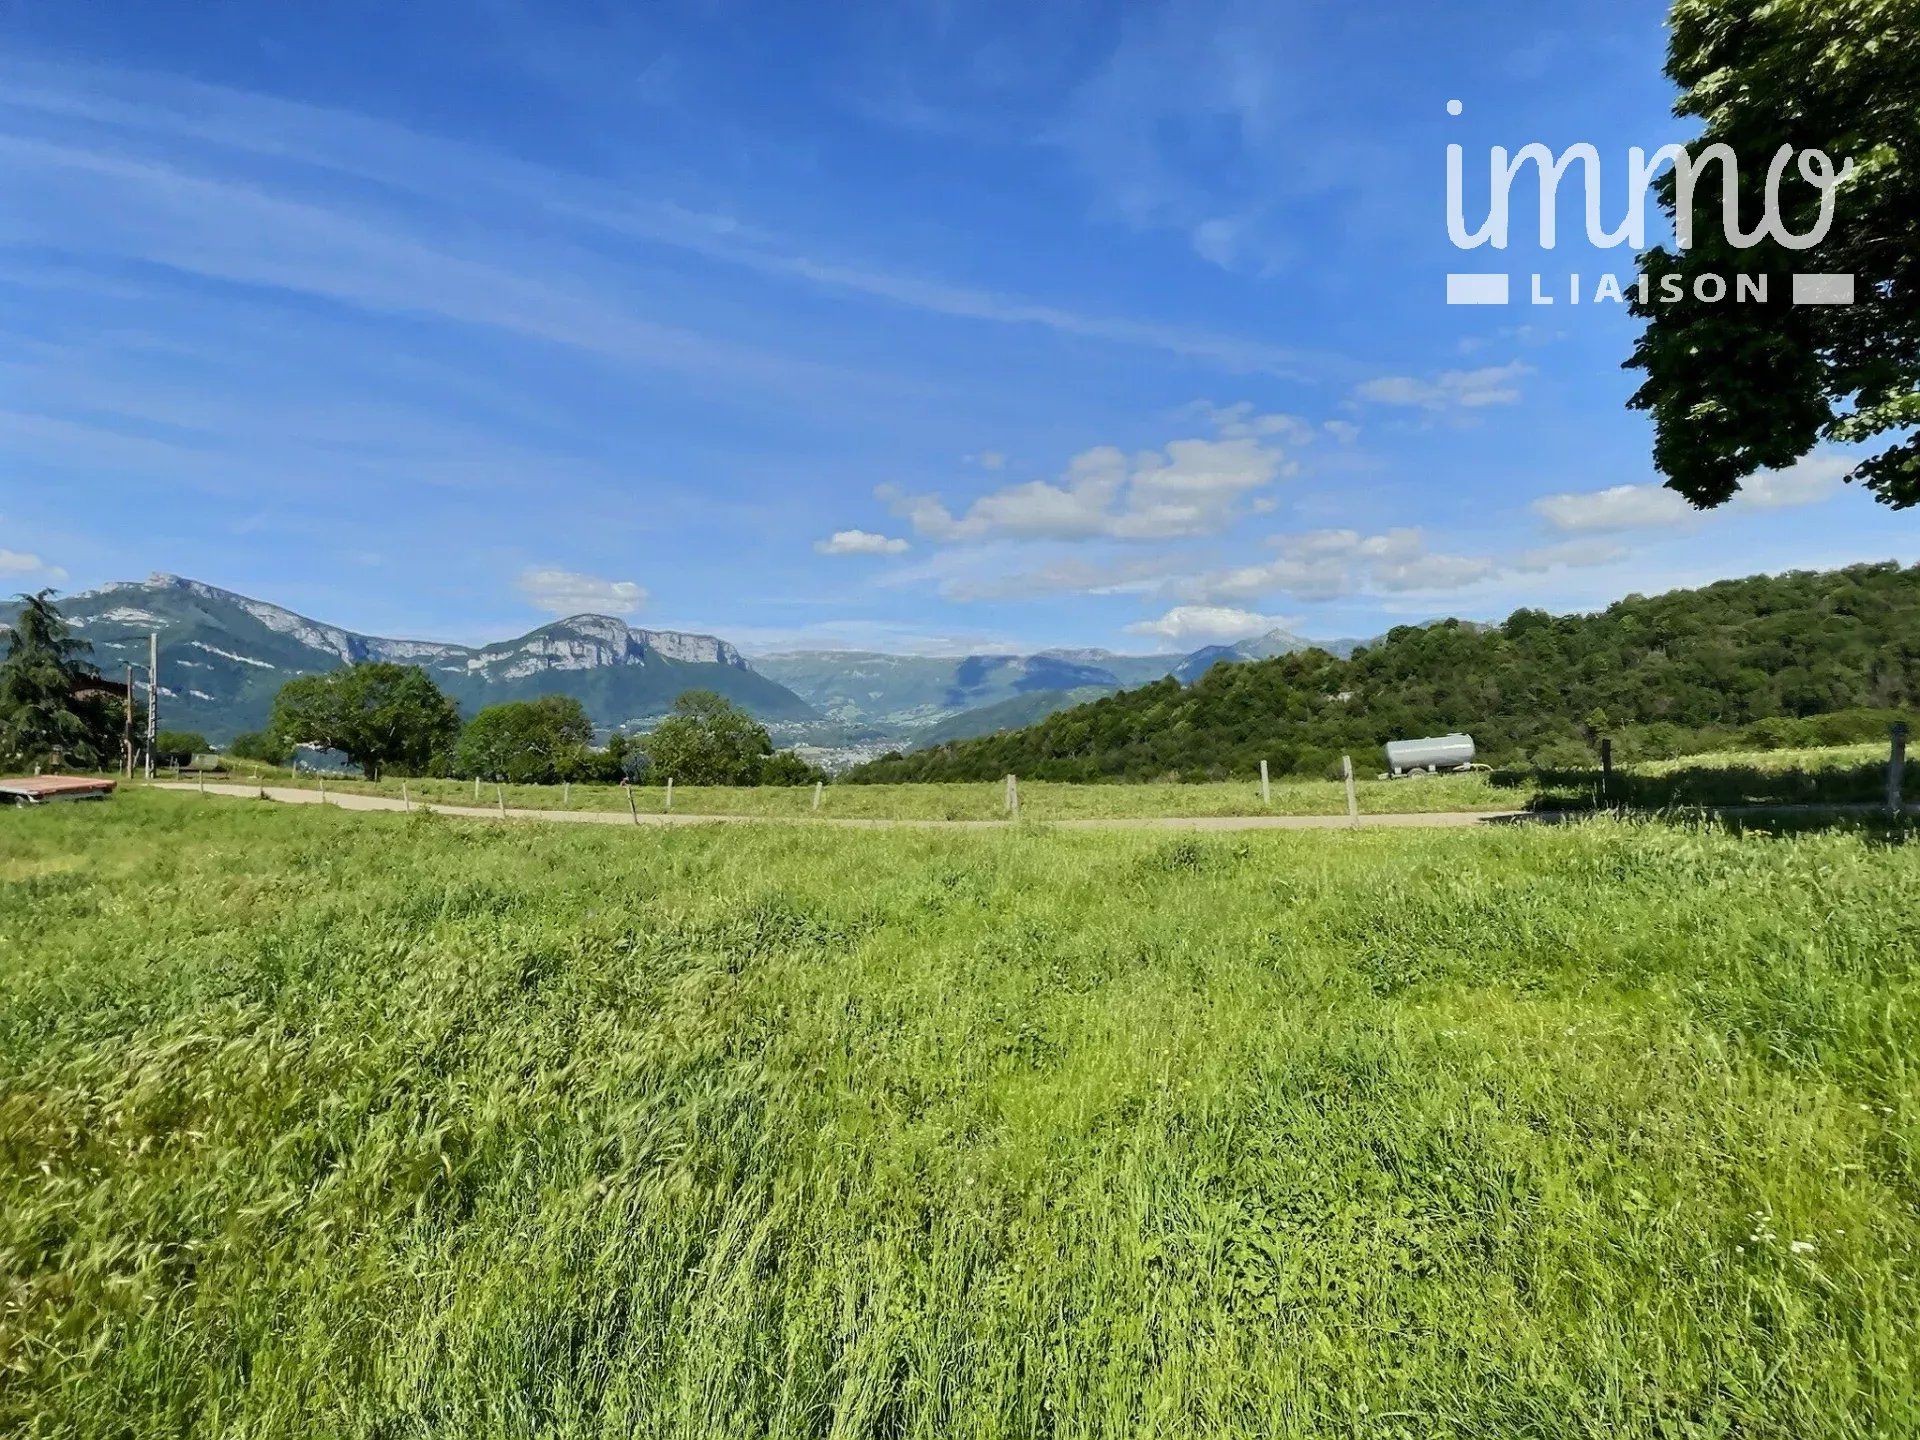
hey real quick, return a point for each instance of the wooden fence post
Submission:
(476, 789)
(1013, 797)
(1896, 765)
(566, 793)
(1353, 798)
(323, 787)
(1266, 794)
(669, 792)
(632, 809)
(406, 800)
(500, 796)
(817, 787)
(1606, 769)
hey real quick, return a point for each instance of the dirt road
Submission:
(1447, 820)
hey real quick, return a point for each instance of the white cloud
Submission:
(1243, 420)
(1191, 487)
(1208, 624)
(1323, 564)
(1809, 481)
(859, 542)
(564, 592)
(1450, 390)
(988, 460)
(973, 574)
(1619, 507)
(1570, 554)
(16, 562)
(1805, 482)
(1431, 572)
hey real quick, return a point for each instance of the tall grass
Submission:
(357, 1125)
(1836, 775)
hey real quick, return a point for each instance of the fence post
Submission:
(476, 789)
(817, 786)
(1606, 769)
(1353, 798)
(1266, 794)
(323, 787)
(1896, 765)
(1013, 797)
(203, 782)
(500, 796)
(406, 800)
(632, 809)
(669, 792)
(566, 793)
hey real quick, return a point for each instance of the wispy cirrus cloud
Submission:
(171, 129)
(1450, 391)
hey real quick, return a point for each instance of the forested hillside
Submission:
(1664, 674)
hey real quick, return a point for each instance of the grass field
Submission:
(1039, 799)
(328, 1124)
(1839, 774)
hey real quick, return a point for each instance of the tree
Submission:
(176, 747)
(380, 715)
(709, 741)
(260, 745)
(527, 742)
(783, 767)
(41, 719)
(1736, 388)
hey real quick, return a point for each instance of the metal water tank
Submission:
(1439, 752)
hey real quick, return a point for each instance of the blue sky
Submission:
(910, 326)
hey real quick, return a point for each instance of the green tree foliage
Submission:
(41, 716)
(260, 745)
(527, 742)
(1834, 653)
(380, 715)
(783, 767)
(1737, 388)
(710, 741)
(177, 747)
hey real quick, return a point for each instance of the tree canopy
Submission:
(527, 742)
(380, 715)
(708, 740)
(260, 745)
(1664, 675)
(176, 747)
(1736, 388)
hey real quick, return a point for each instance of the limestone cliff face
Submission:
(225, 655)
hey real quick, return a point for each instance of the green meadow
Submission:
(316, 1123)
(1848, 774)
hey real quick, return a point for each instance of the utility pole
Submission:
(153, 696)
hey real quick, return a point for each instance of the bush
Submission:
(177, 747)
(259, 745)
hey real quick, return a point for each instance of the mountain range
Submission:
(224, 656)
